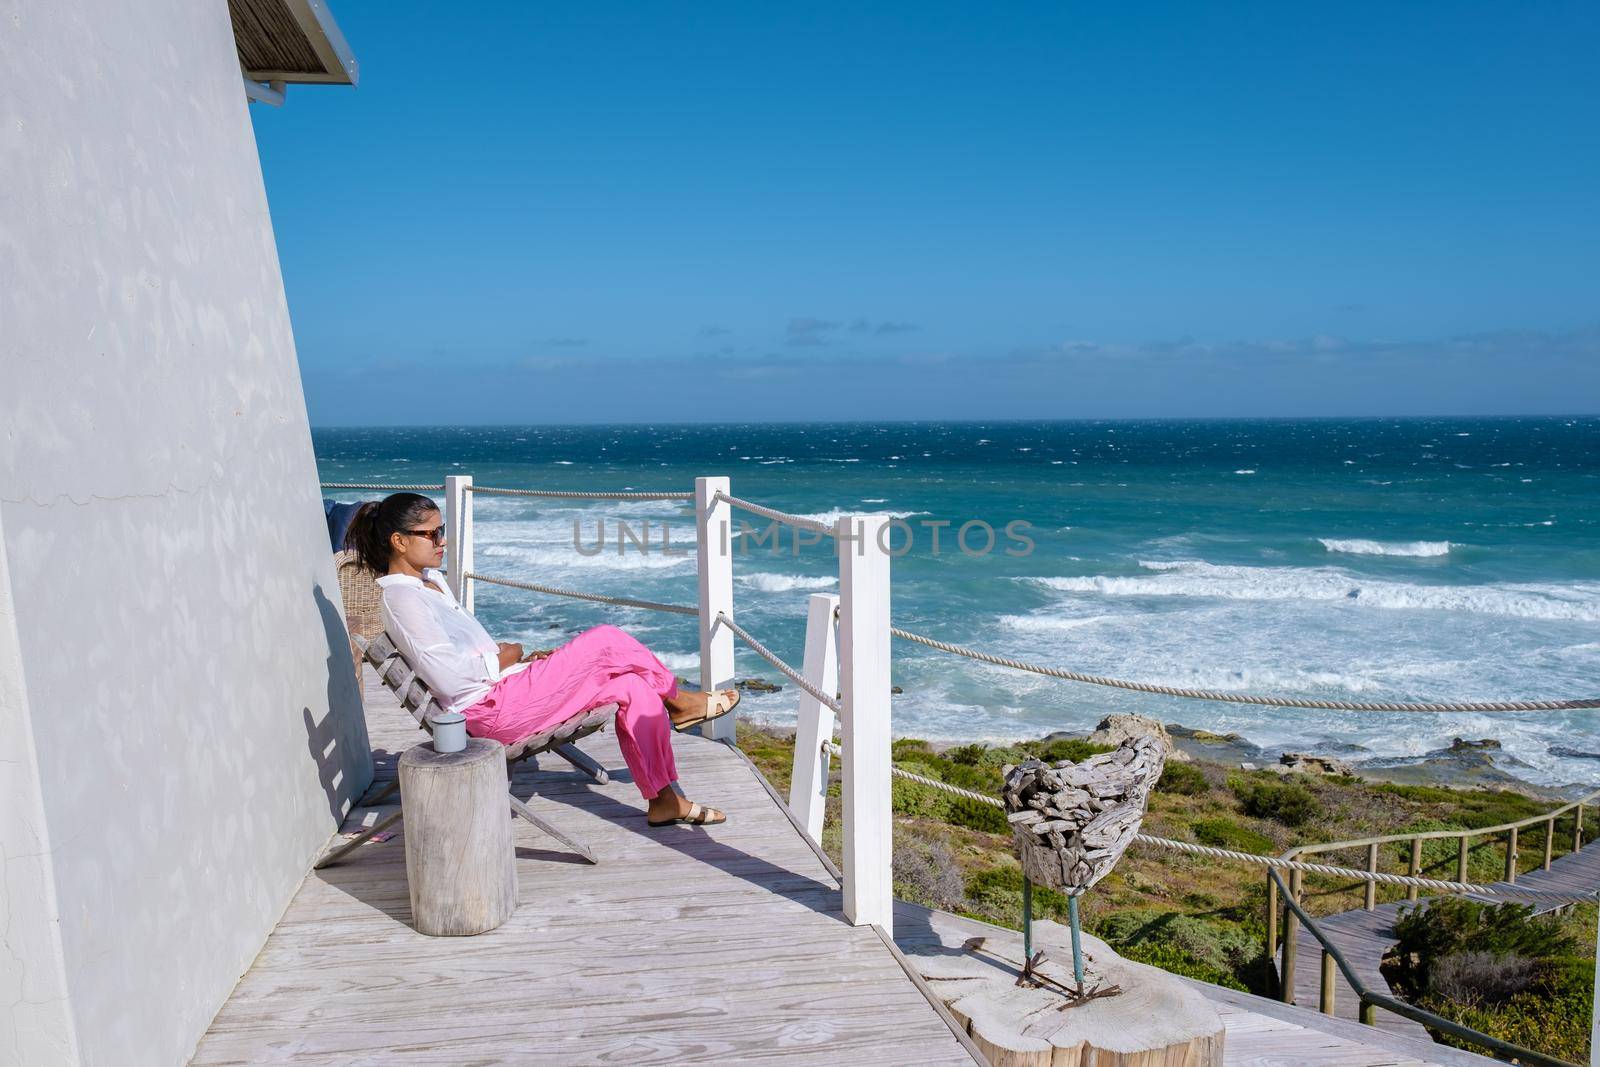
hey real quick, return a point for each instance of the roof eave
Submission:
(316, 21)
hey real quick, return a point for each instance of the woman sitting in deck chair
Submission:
(506, 697)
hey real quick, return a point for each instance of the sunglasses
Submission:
(436, 535)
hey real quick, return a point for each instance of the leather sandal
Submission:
(699, 815)
(717, 705)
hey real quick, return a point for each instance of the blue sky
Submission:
(673, 212)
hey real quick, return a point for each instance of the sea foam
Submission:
(1574, 602)
(783, 583)
(1361, 547)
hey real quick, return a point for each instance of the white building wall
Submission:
(35, 1016)
(172, 640)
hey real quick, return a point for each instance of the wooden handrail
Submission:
(1431, 835)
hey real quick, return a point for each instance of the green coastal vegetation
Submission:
(1206, 918)
(1501, 970)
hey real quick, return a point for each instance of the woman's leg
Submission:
(621, 652)
(607, 651)
(644, 732)
(602, 665)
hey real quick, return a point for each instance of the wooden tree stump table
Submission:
(460, 864)
(1154, 1021)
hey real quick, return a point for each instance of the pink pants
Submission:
(599, 666)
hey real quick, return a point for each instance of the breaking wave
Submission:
(1048, 623)
(1361, 547)
(1577, 602)
(828, 518)
(783, 583)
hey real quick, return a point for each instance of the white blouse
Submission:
(452, 652)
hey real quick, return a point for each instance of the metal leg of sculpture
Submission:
(1077, 947)
(1027, 923)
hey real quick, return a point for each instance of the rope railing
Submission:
(793, 675)
(386, 488)
(776, 515)
(1240, 698)
(576, 495)
(1276, 862)
(499, 491)
(598, 598)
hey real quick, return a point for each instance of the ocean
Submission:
(1369, 559)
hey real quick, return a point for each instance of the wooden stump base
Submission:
(460, 864)
(1155, 1021)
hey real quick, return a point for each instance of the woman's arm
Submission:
(450, 670)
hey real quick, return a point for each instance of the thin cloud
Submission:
(881, 329)
(545, 364)
(807, 331)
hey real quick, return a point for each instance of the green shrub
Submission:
(997, 892)
(909, 748)
(1223, 832)
(1289, 803)
(1185, 944)
(967, 755)
(975, 816)
(1184, 779)
(926, 802)
(1448, 926)
(916, 799)
(1568, 975)
(1174, 960)
(1557, 1027)
(1422, 794)
(1499, 970)
(1070, 748)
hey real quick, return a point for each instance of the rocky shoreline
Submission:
(1464, 764)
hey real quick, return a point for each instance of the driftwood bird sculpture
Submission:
(1071, 822)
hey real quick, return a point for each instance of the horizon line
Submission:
(942, 422)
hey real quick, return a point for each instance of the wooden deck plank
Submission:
(687, 945)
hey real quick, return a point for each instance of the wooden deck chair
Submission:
(401, 678)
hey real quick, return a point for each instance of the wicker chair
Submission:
(363, 603)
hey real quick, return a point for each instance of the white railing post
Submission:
(864, 681)
(808, 785)
(458, 532)
(714, 549)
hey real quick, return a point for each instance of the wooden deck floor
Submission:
(694, 945)
(1363, 937)
(1260, 1032)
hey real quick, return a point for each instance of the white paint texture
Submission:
(35, 1017)
(171, 641)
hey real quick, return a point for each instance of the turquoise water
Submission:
(1374, 559)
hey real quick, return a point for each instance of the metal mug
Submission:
(449, 731)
